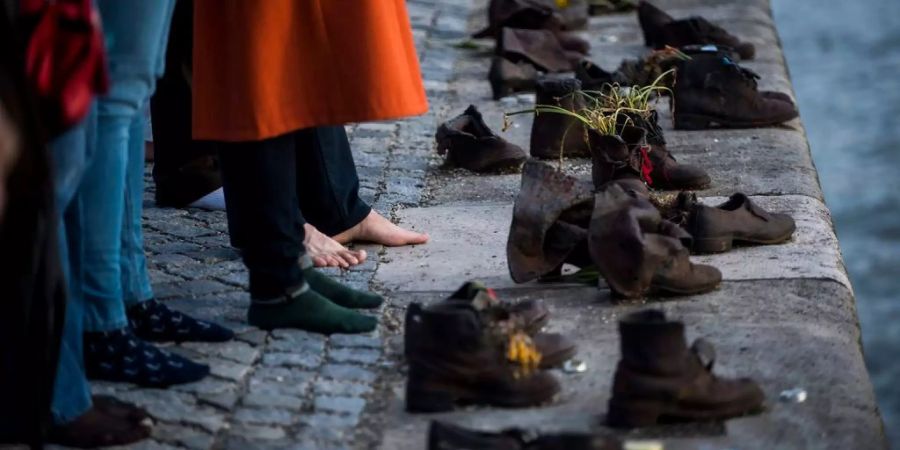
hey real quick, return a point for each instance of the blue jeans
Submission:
(106, 264)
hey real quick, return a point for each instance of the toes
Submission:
(319, 261)
(349, 257)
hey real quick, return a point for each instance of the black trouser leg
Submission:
(263, 213)
(184, 169)
(327, 183)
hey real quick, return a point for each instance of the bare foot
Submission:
(377, 229)
(326, 252)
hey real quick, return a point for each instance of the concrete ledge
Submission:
(785, 315)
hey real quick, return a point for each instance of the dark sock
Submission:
(310, 311)
(120, 356)
(152, 320)
(105, 424)
(338, 293)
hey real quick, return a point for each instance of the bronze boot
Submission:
(533, 15)
(639, 253)
(445, 436)
(507, 77)
(554, 134)
(506, 318)
(666, 173)
(593, 77)
(660, 30)
(538, 241)
(713, 89)
(541, 48)
(454, 359)
(469, 143)
(716, 229)
(621, 157)
(659, 379)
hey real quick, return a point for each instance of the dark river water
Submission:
(844, 58)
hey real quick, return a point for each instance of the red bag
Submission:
(65, 59)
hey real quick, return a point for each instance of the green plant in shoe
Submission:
(338, 293)
(308, 310)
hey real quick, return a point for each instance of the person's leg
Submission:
(149, 318)
(265, 222)
(133, 36)
(339, 212)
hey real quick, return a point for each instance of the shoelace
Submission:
(747, 76)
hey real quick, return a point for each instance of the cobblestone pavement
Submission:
(288, 389)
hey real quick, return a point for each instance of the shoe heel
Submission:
(422, 400)
(712, 245)
(633, 414)
(691, 122)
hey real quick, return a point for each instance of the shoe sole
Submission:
(636, 414)
(726, 243)
(441, 398)
(704, 122)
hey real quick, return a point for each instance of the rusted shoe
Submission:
(504, 319)
(539, 242)
(715, 229)
(661, 29)
(529, 315)
(600, 7)
(444, 436)
(639, 253)
(469, 143)
(454, 359)
(507, 77)
(541, 48)
(713, 89)
(666, 173)
(555, 134)
(659, 379)
(620, 157)
(593, 77)
(534, 15)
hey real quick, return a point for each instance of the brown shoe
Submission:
(538, 242)
(444, 436)
(506, 318)
(660, 30)
(659, 379)
(507, 77)
(108, 422)
(639, 253)
(541, 48)
(712, 89)
(454, 359)
(621, 157)
(529, 315)
(665, 172)
(533, 15)
(469, 143)
(593, 77)
(715, 229)
(554, 133)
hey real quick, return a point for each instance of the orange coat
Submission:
(263, 68)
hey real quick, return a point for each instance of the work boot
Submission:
(538, 242)
(533, 15)
(706, 50)
(714, 89)
(530, 315)
(639, 253)
(593, 77)
(665, 172)
(469, 143)
(541, 48)
(444, 436)
(659, 379)
(715, 229)
(618, 157)
(554, 134)
(504, 318)
(660, 30)
(507, 77)
(454, 358)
